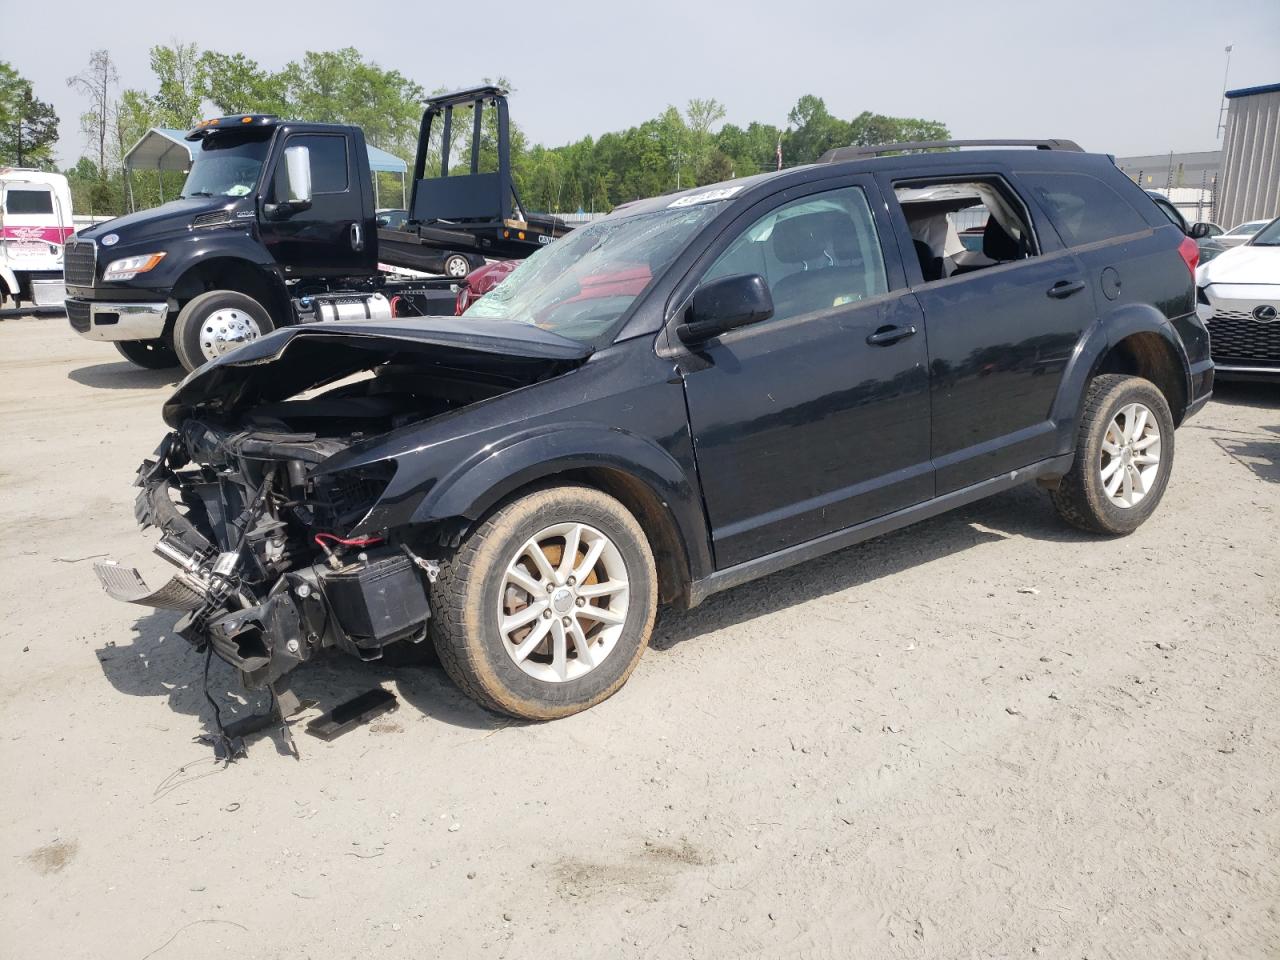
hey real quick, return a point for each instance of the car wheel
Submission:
(457, 266)
(151, 354)
(1124, 454)
(217, 322)
(548, 605)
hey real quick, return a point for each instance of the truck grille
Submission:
(1235, 335)
(78, 314)
(80, 263)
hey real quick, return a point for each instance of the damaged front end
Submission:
(284, 510)
(266, 576)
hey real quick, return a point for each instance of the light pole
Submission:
(1222, 108)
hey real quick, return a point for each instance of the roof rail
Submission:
(858, 153)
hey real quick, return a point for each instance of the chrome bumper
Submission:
(122, 321)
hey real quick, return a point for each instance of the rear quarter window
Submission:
(1082, 208)
(28, 201)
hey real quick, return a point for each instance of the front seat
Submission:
(815, 240)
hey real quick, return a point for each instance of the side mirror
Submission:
(726, 304)
(297, 184)
(297, 162)
(1199, 230)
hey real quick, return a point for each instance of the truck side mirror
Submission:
(1199, 230)
(297, 162)
(296, 187)
(726, 304)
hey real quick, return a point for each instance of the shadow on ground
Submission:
(124, 376)
(1022, 512)
(158, 663)
(1247, 393)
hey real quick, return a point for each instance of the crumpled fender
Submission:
(477, 484)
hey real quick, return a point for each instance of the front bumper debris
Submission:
(257, 582)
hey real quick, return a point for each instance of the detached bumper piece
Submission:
(126, 584)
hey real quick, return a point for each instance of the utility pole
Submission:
(1222, 108)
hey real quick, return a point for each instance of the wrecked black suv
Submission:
(695, 391)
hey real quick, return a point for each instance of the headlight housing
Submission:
(130, 267)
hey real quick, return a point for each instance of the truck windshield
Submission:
(226, 166)
(579, 286)
(1268, 236)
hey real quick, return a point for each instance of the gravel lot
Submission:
(984, 736)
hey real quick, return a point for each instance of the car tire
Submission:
(149, 354)
(456, 266)
(578, 660)
(1123, 457)
(216, 322)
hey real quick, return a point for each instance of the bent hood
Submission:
(1243, 265)
(294, 359)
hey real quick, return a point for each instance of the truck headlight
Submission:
(130, 267)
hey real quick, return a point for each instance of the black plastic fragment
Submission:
(347, 716)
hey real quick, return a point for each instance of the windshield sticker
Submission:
(724, 193)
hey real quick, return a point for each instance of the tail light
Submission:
(460, 305)
(1190, 253)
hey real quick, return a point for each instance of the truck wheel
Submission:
(217, 322)
(456, 266)
(151, 354)
(1124, 454)
(547, 607)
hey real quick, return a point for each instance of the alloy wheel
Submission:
(563, 602)
(1130, 460)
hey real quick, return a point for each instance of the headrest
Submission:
(811, 236)
(997, 244)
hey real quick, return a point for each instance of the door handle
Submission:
(357, 238)
(887, 335)
(1065, 288)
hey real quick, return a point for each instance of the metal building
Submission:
(1249, 185)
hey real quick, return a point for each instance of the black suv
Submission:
(693, 392)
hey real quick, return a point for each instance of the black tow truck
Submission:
(276, 226)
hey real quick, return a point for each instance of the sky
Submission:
(1125, 77)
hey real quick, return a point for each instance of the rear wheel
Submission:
(217, 322)
(151, 354)
(457, 266)
(1124, 454)
(548, 606)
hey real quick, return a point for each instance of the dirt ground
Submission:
(984, 736)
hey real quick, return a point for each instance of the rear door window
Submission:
(1082, 208)
(28, 201)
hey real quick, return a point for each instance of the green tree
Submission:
(28, 126)
(812, 131)
(868, 129)
(180, 73)
(234, 83)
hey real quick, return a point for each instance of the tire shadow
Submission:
(124, 376)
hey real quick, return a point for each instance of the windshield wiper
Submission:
(196, 193)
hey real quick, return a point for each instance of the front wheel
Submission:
(217, 322)
(149, 354)
(1124, 454)
(547, 607)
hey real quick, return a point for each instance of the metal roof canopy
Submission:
(163, 148)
